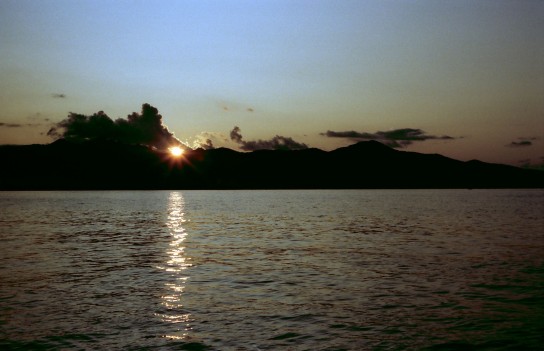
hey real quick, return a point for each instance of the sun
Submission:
(176, 151)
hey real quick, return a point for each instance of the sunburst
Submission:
(176, 151)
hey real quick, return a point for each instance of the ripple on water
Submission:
(269, 270)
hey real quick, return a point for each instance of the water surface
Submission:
(272, 270)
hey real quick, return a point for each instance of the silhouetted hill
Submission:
(110, 165)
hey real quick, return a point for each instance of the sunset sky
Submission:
(467, 77)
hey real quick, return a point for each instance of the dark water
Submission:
(272, 270)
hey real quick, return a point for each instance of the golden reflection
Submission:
(176, 264)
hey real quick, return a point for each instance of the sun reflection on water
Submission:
(175, 265)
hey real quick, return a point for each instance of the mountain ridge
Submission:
(103, 164)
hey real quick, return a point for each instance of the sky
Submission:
(463, 78)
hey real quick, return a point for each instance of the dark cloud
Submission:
(522, 143)
(276, 143)
(348, 134)
(58, 96)
(235, 135)
(139, 128)
(394, 138)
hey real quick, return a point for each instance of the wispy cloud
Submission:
(395, 138)
(18, 125)
(37, 117)
(278, 142)
(10, 125)
(522, 143)
(233, 106)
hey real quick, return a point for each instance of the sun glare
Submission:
(176, 151)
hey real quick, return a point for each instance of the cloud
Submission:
(18, 125)
(208, 140)
(58, 96)
(233, 106)
(203, 141)
(394, 138)
(235, 135)
(10, 125)
(139, 128)
(348, 134)
(37, 117)
(276, 143)
(208, 145)
(522, 143)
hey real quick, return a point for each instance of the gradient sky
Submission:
(472, 70)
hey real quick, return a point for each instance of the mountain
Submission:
(103, 164)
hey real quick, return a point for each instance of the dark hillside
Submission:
(111, 165)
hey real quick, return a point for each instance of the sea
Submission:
(272, 270)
